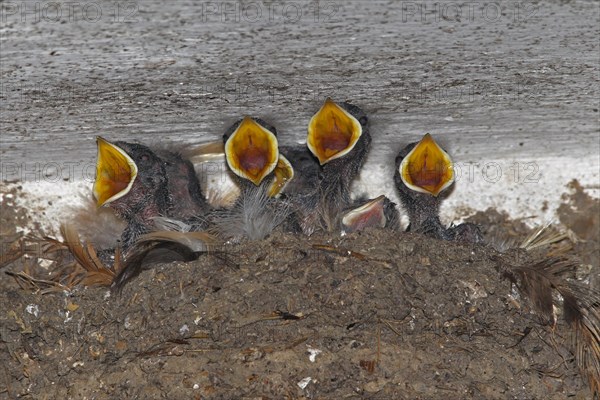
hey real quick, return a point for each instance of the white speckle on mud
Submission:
(48, 204)
(46, 263)
(33, 309)
(313, 353)
(184, 329)
(127, 323)
(68, 316)
(304, 382)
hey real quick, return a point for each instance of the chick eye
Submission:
(363, 120)
(144, 157)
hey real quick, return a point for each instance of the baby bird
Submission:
(252, 154)
(132, 180)
(338, 137)
(141, 185)
(423, 172)
(184, 187)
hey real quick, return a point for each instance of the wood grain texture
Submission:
(520, 83)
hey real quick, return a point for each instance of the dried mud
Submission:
(373, 315)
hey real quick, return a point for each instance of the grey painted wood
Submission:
(522, 83)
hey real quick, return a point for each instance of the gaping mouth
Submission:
(251, 151)
(284, 172)
(332, 132)
(427, 168)
(370, 214)
(115, 173)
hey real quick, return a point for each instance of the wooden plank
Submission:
(523, 83)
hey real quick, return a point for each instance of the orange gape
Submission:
(427, 168)
(335, 135)
(332, 132)
(252, 151)
(429, 175)
(253, 159)
(284, 172)
(370, 214)
(115, 173)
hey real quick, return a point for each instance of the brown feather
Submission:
(580, 306)
(195, 241)
(153, 246)
(92, 271)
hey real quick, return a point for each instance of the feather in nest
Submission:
(254, 216)
(546, 284)
(83, 265)
(92, 271)
(580, 308)
(76, 262)
(163, 246)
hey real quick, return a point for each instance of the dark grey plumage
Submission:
(423, 210)
(166, 185)
(184, 187)
(148, 197)
(255, 214)
(321, 193)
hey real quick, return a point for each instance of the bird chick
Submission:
(338, 137)
(184, 188)
(132, 180)
(141, 185)
(252, 154)
(423, 172)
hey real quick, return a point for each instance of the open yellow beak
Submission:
(371, 214)
(427, 168)
(115, 173)
(251, 151)
(332, 132)
(284, 172)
